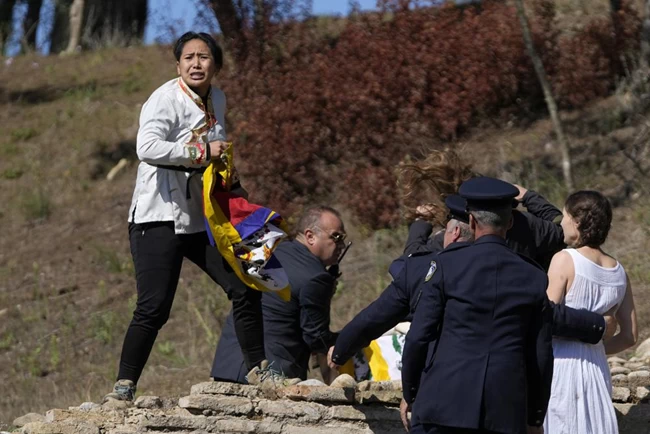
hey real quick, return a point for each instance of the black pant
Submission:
(430, 428)
(158, 256)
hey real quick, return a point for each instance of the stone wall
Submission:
(213, 407)
(307, 408)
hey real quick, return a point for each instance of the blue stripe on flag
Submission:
(253, 223)
(209, 231)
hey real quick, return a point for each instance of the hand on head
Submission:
(522, 192)
(425, 211)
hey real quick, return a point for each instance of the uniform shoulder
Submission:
(419, 254)
(416, 260)
(455, 247)
(531, 262)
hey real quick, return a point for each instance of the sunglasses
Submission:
(338, 237)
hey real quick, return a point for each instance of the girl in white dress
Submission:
(585, 277)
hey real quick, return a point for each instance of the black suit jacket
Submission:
(396, 304)
(293, 329)
(493, 363)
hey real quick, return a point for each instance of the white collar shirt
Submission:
(165, 137)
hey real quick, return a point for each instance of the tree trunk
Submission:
(548, 95)
(232, 26)
(6, 15)
(104, 23)
(30, 24)
(60, 36)
(76, 22)
(116, 23)
(645, 37)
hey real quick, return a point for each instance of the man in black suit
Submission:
(486, 306)
(294, 329)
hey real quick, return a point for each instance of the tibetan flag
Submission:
(379, 361)
(246, 234)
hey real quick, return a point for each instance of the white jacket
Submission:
(165, 138)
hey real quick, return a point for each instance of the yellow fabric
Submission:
(348, 368)
(224, 233)
(376, 362)
(378, 365)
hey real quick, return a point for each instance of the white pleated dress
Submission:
(581, 393)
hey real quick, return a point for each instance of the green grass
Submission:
(113, 262)
(23, 134)
(9, 149)
(36, 205)
(7, 340)
(134, 80)
(103, 327)
(55, 353)
(83, 92)
(12, 173)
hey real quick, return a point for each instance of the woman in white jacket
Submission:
(182, 127)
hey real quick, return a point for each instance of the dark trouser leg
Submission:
(430, 428)
(157, 256)
(246, 302)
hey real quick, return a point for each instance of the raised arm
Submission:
(547, 236)
(537, 205)
(626, 317)
(418, 237)
(392, 306)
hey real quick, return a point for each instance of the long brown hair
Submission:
(431, 180)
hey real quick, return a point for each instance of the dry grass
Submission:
(66, 278)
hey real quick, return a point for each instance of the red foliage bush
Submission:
(318, 116)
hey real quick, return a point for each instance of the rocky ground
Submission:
(309, 407)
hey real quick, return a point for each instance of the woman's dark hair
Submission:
(215, 49)
(593, 214)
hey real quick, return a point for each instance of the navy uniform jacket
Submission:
(493, 363)
(534, 234)
(396, 304)
(293, 329)
(398, 301)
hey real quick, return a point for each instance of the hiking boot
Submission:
(265, 375)
(124, 390)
